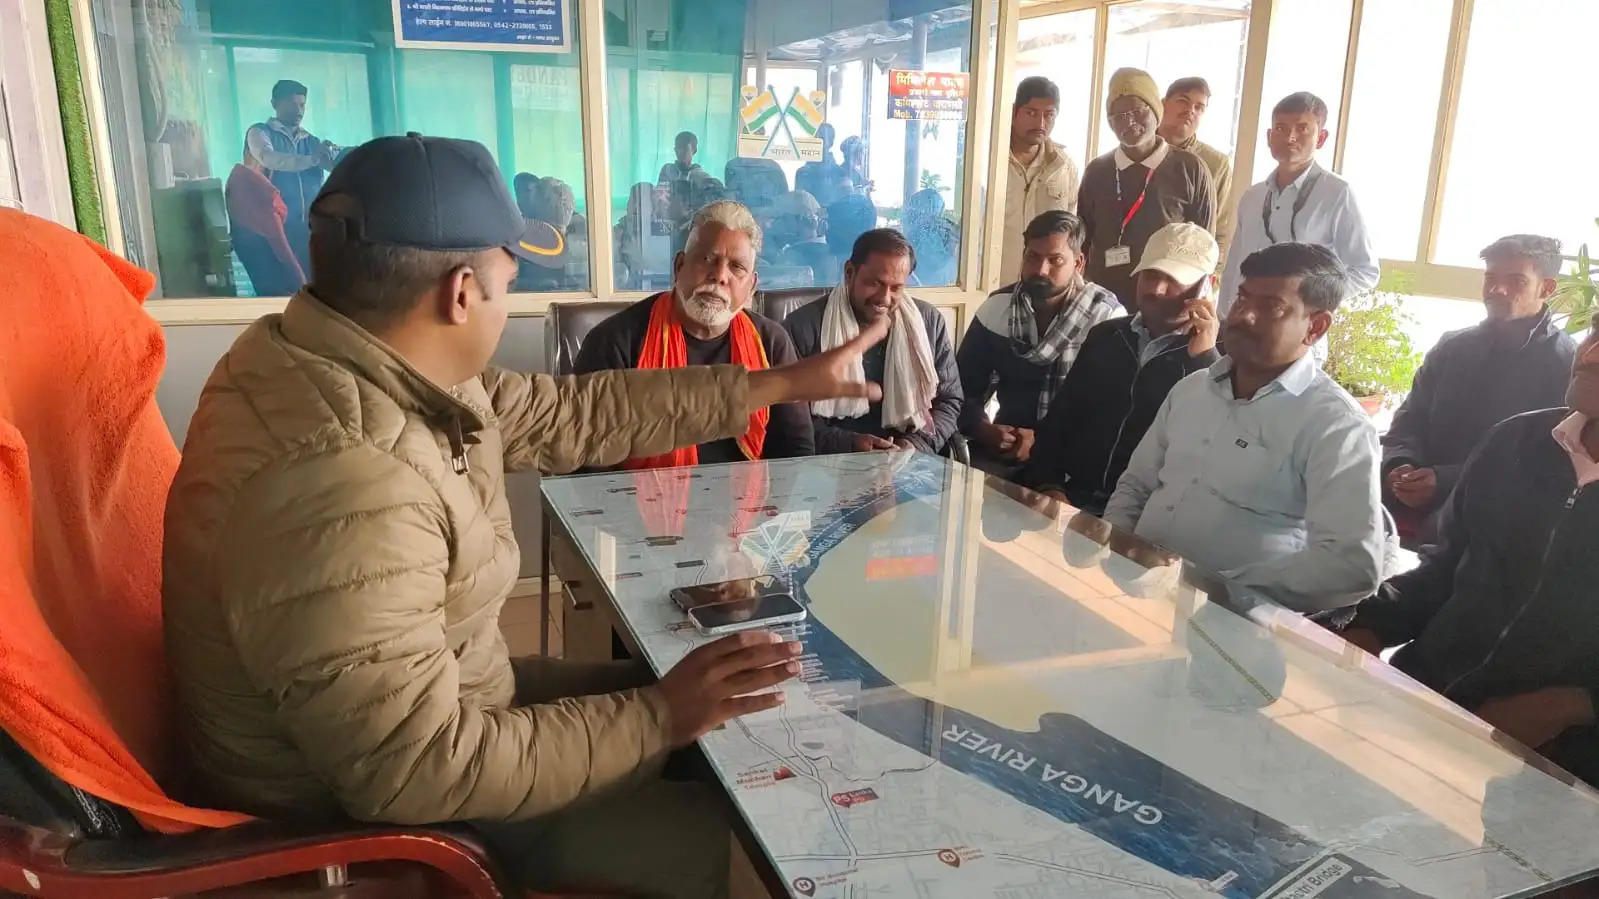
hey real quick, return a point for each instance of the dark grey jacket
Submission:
(1472, 380)
(835, 435)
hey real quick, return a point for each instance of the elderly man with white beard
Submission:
(705, 320)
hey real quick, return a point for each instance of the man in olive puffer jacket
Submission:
(338, 547)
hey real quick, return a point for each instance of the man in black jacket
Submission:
(916, 364)
(1125, 369)
(1514, 362)
(1499, 616)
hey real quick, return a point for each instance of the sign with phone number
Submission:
(927, 95)
(527, 26)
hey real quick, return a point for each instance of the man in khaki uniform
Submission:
(1042, 177)
(1186, 102)
(338, 547)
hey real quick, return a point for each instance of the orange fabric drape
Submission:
(666, 347)
(663, 496)
(85, 463)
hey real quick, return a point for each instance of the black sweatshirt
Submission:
(1506, 603)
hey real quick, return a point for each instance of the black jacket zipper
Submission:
(1132, 393)
(1537, 590)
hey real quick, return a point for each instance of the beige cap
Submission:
(1130, 82)
(1182, 250)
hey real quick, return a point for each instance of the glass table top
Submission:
(1004, 698)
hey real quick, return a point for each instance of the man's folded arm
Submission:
(560, 424)
(333, 585)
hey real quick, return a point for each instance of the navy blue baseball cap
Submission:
(430, 193)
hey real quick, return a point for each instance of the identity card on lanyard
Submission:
(1121, 254)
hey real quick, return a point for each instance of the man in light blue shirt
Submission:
(1260, 468)
(1300, 201)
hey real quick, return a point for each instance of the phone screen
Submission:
(726, 591)
(749, 612)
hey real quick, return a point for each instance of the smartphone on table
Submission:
(728, 606)
(770, 610)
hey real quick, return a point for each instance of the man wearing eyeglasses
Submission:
(1140, 187)
(1300, 201)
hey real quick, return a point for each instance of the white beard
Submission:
(709, 311)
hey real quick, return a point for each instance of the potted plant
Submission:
(1369, 352)
(1577, 294)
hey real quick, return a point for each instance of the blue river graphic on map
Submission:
(1083, 776)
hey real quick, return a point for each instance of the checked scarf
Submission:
(1086, 307)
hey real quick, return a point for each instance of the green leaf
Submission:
(1369, 351)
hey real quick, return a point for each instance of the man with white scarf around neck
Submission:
(916, 364)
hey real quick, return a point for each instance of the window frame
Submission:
(991, 76)
(966, 292)
(1426, 276)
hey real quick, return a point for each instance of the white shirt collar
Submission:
(1295, 379)
(1153, 161)
(1568, 434)
(294, 133)
(1297, 183)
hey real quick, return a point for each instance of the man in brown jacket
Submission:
(338, 547)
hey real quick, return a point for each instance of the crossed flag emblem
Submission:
(802, 111)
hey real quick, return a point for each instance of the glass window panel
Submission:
(1172, 40)
(1061, 48)
(1305, 52)
(664, 78)
(184, 87)
(1521, 95)
(1389, 146)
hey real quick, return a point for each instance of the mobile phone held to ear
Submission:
(768, 610)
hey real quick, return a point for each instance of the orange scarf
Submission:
(666, 347)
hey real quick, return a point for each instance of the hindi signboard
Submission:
(527, 26)
(939, 96)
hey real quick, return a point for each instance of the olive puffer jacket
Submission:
(338, 547)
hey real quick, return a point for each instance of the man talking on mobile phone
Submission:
(1125, 369)
(339, 545)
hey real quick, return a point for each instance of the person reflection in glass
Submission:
(293, 159)
(683, 166)
(526, 185)
(935, 237)
(847, 219)
(824, 179)
(854, 150)
(256, 214)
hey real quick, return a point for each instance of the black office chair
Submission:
(565, 326)
(780, 304)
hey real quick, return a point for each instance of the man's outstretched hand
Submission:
(822, 377)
